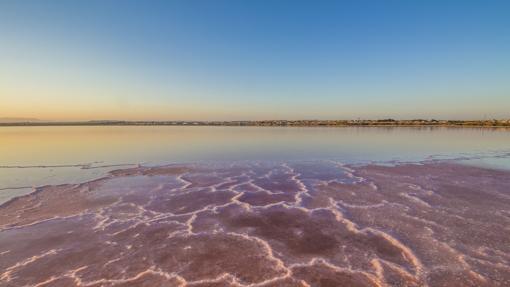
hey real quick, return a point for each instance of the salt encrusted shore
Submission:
(316, 223)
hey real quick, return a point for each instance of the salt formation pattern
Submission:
(254, 224)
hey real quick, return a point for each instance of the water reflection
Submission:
(104, 145)
(117, 145)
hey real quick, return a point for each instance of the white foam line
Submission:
(406, 251)
(43, 221)
(415, 199)
(48, 281)
(279, 264)
(8, 271)
(150, 271)
(302, 187)
(363, 206)
(321, 261)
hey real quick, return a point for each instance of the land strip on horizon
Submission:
(296, 123)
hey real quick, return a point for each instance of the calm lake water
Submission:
(34, 156)
(255, 206)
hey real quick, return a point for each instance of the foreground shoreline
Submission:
(263, 224)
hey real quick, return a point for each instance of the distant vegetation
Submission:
(296, 123)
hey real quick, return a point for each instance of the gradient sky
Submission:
(225, 60)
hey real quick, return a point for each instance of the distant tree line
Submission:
(299, 123)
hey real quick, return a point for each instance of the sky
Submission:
(252, 60)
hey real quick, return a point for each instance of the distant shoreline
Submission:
(280, 123)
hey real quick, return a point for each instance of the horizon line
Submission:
(280, 122)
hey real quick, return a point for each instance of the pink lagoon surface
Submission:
(228, 206)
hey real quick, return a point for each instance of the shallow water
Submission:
(34, 156)
(310, 223)
(161, 144)
(229, 206)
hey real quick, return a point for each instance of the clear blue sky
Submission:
(155, 60)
